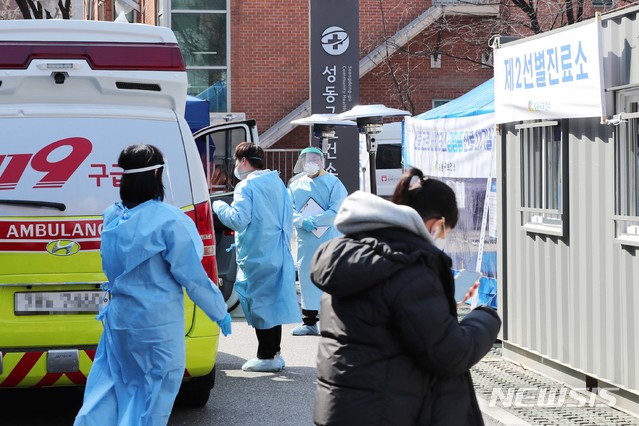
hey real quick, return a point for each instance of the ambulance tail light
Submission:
(100, 56)
(204, 222)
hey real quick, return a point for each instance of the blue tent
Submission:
(480, 100)
(197, 113)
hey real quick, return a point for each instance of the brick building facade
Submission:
(268, 71)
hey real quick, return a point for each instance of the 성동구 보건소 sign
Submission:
(334, 56)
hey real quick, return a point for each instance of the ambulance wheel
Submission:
(195, 393)
(232, 302)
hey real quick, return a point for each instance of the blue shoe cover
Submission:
(306, 330)
(272, 365)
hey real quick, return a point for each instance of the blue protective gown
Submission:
(261, 215)
(329, 192)
(150, 253)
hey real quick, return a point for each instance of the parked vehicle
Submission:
(217, 144)
(73, 94)
(389, 159)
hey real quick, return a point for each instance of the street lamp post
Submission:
(323, 127)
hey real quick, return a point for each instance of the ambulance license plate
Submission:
(57, 302)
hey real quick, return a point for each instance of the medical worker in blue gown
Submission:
(151, 252)
(261, 214)
(314, 226)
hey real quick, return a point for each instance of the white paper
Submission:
(311, 208)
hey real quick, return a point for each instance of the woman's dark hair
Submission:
(431, 198)
(136, 188)
(253, 153)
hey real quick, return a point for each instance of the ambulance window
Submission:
(221, 146)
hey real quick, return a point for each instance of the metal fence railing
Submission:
(282, 160)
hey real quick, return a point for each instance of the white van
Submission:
(73, 94)
(388, 160)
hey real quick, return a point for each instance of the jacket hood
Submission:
(362, 212)
(381, 240)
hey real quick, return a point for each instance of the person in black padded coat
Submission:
(392, 351)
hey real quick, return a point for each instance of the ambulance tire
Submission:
(195, 393)
(232, 302)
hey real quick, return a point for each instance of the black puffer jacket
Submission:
(392, 351)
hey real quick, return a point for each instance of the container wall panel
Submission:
(571, 298)
(574, 299)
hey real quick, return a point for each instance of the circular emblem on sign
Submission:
(335, 40)
(63, 247)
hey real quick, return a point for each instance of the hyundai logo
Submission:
(63, 247)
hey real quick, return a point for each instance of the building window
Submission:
(436, 60)
(487, 59)
(161, 16)
(543, 177)
(440, 102)
(201, 29)
(627, 172)
(601, 3)
(128, 10)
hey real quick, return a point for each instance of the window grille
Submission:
(543, 177)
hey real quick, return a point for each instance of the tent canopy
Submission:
(479, 101)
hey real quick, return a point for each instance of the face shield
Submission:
(311, 161)
(166, 178)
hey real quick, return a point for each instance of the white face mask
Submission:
(237, 173)
(440, 243)
(240, 175)
(311, 168)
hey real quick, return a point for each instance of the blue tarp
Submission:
(480, 100)
(197, 113)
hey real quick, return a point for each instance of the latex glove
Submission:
(225, 324)
(309, 225)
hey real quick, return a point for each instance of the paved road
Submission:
(243, 398)
(239, 398)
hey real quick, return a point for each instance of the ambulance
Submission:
(73, 94)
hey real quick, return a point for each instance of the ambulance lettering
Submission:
(57, 172)
(43, 235)
(54, 230)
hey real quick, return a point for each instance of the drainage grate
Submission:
(543, 401)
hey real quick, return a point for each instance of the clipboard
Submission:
(311, 208)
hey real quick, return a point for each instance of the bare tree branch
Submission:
(463, 40)
(24, 9)
(31, 9)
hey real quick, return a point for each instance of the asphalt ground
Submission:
(247, 398)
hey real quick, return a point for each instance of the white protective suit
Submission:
(329, 192)
(150, 254)
(261, 216)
